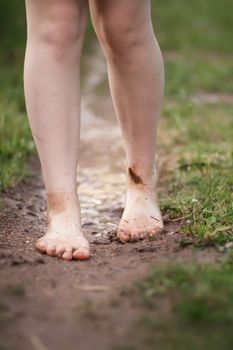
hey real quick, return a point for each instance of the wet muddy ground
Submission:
(47, 303)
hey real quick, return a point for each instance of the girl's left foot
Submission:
(142, 217)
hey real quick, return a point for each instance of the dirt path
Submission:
(51, 304)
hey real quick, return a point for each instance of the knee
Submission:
(121, 38)
(62, 29)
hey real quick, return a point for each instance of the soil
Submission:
(47, 303)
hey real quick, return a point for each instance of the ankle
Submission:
(58, 202)
(141, 179)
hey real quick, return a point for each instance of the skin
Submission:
(136, 79)
(56, 30)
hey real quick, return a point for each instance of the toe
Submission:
(153, 233)
(51, 250)
(67, 255)
(123, 236)
(41, 246)
(135, 236)
(60, 251)
(141, 235)
(81, 253)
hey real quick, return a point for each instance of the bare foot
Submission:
(141, 218)
(64, 238)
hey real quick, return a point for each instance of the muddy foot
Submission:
(64, 238)
(141, 218)
(64, 246)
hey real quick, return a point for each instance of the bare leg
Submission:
(55, 35)
(136, 76)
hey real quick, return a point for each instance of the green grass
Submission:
(196, 40)
(187, 75)
(198, 51)
(15, 137)
(13, 31)
(184, 26)
(200, 181)
(184, 307)
(199, 307)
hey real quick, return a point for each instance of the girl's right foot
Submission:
(64, 237)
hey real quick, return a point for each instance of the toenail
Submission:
(41, 247)
(81, 254)
(60, 251)
(67, 256)
(124, 237)
(51, 251)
